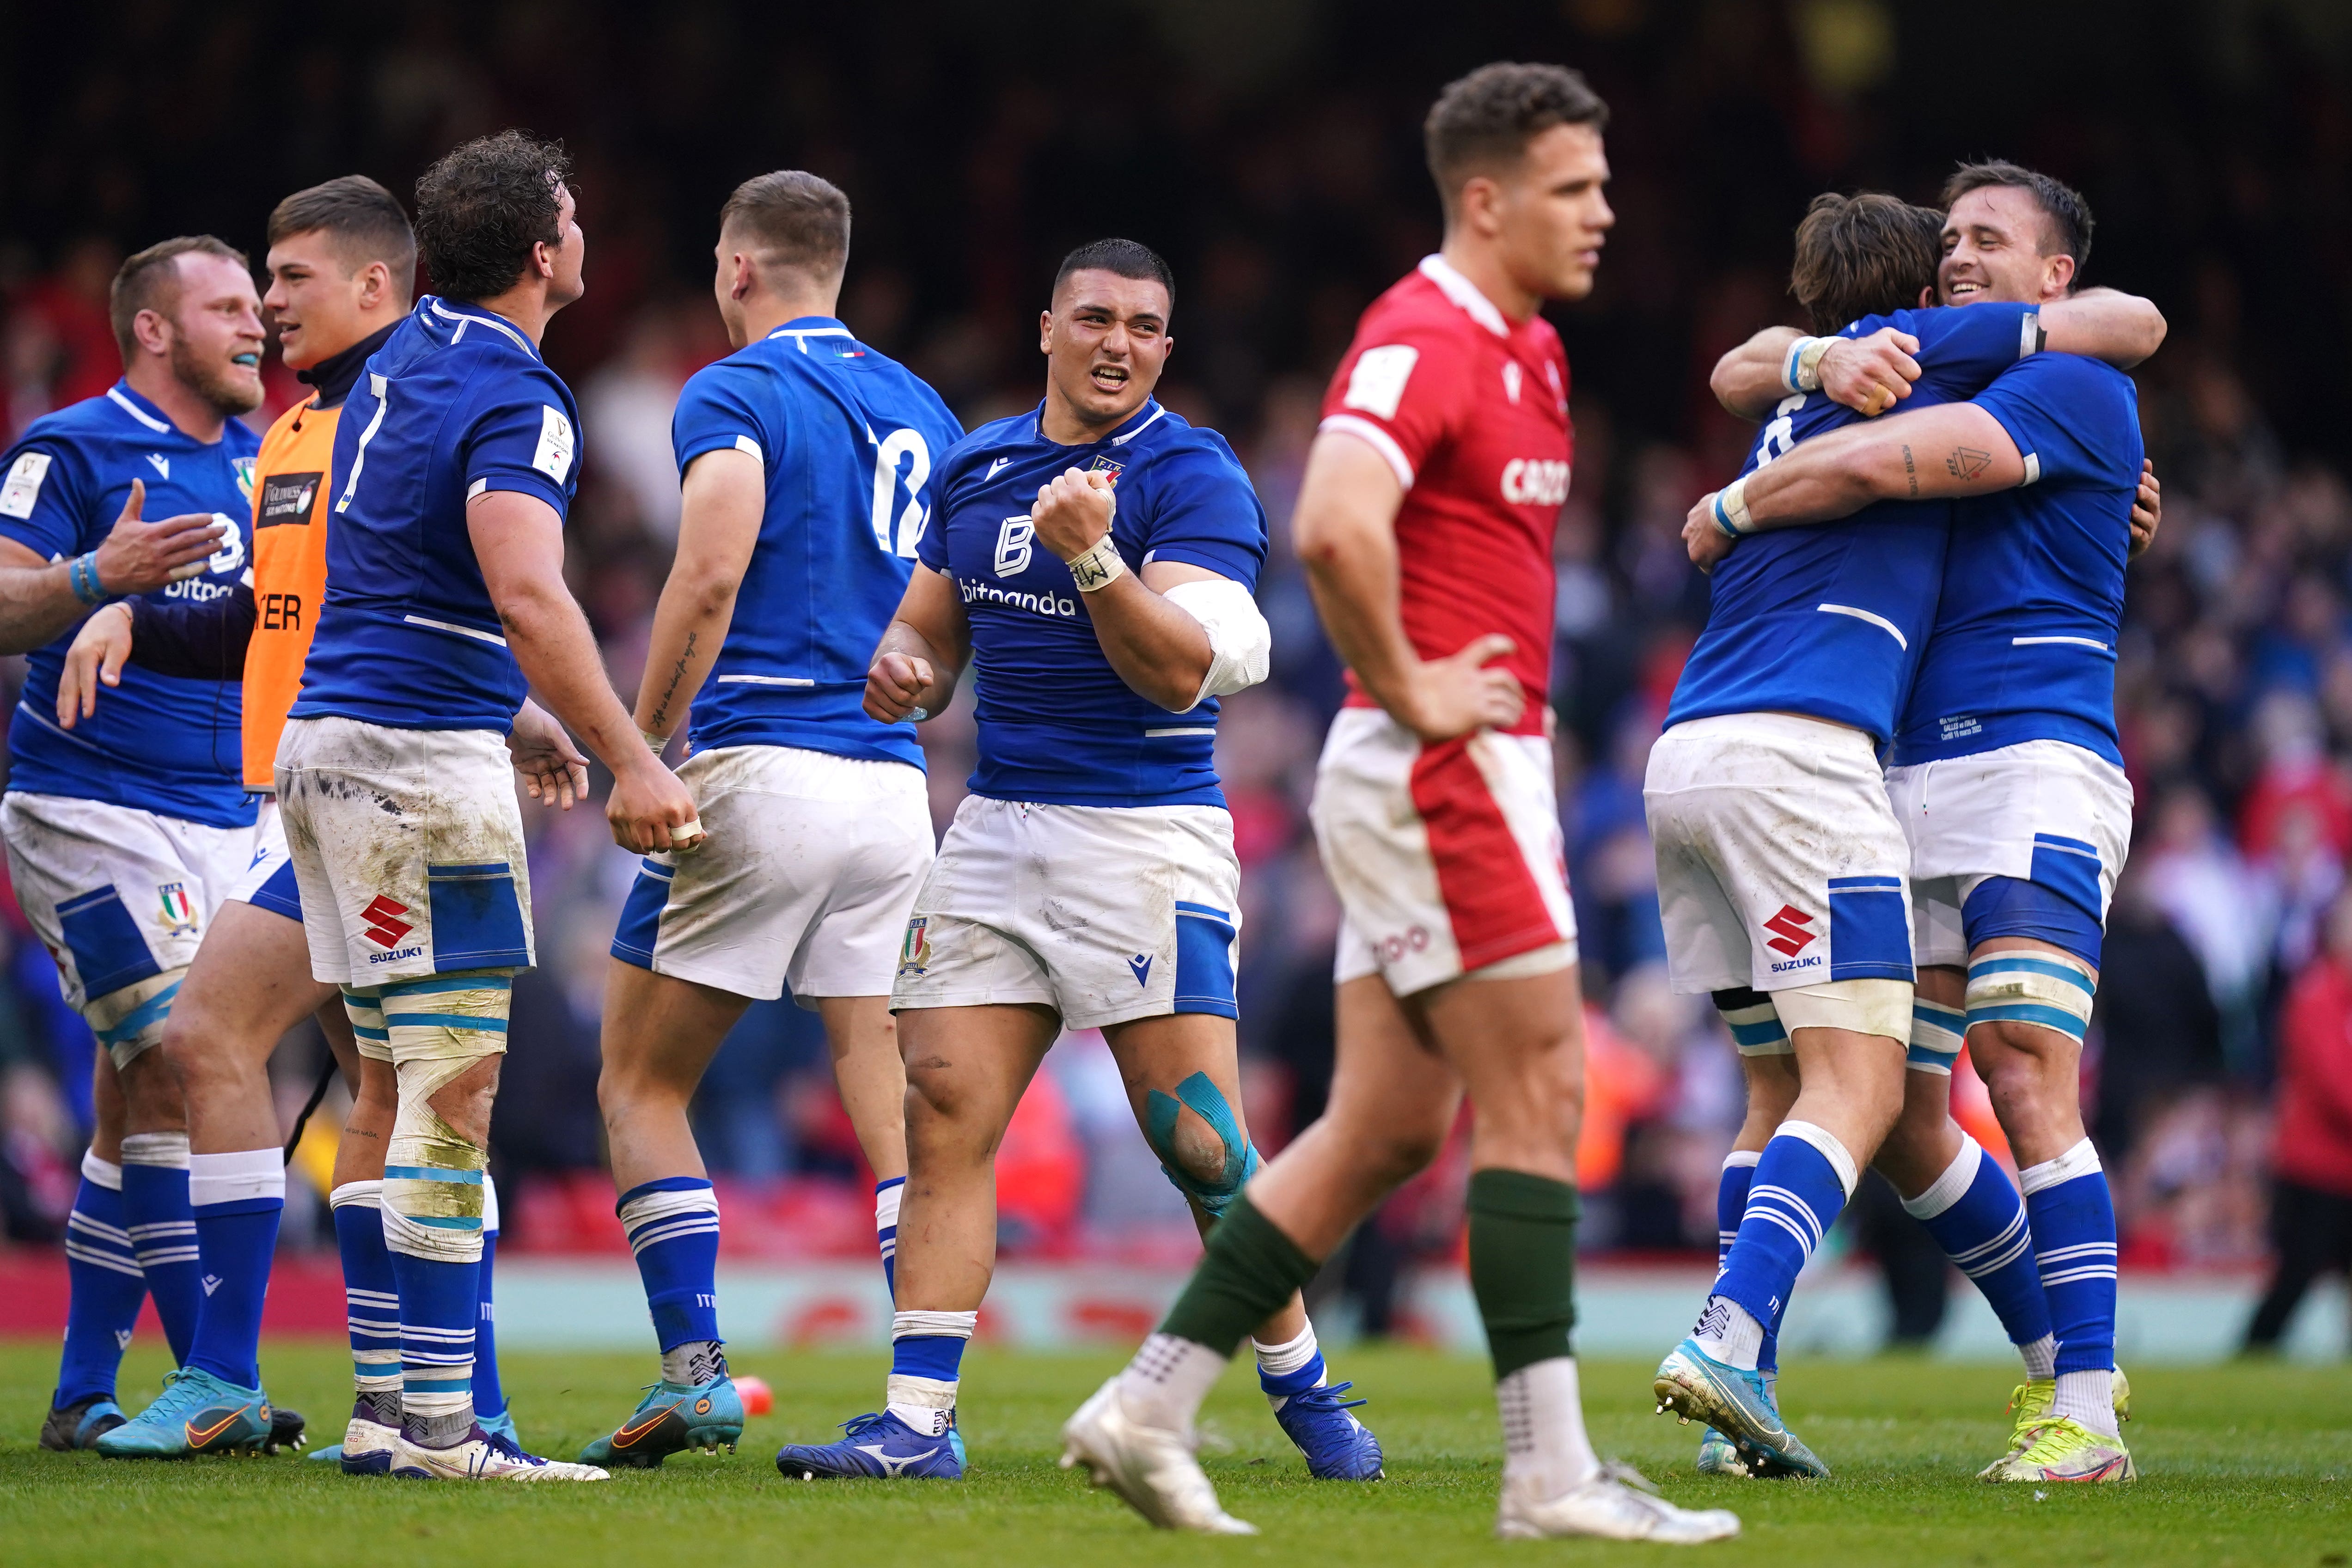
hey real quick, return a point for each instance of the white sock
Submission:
(926, 1404)
(1164, 1385)
(695, 1362)
(2041, 1356)
(1543, 1427)
(1282, 1360)
(2089, 1397)
(1730, 1332)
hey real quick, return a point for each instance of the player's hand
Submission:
(1871, 375)
(649, 808)
(94, 660)
(2148, 510)
(1706, 543)
(1464, 691)
(553, 771)
(895, 686)
(1073, 512)
(140, 557)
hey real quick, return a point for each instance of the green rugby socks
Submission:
(1523, 1265)
(1249, 1272)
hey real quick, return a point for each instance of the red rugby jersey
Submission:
(1472, 413)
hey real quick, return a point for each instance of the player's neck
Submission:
(1061, 424)
(525, 307)
(764, 313)
(189, 412)
(1486, 272)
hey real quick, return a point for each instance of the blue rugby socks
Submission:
(105, 1285)
(1978, 1219)
(238, 1200)
(1801, 1183)
(673, 1228)
(163, 1230)
(2073, 1218)
(372, 1299)
(489, 1394)
(1730, 1208)
(886, 1195)
(926, 1363)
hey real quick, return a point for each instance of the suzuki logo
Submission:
(384, 926)
(1793, 938)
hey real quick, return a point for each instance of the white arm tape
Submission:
(1241, 644)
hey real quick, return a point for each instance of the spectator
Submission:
(2311, 1152)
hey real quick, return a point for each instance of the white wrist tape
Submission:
(1801, 370)
(657, 743)
(1241, 644)
(1731, 509)
(1098, 568)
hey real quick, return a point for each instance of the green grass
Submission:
(2239, 1465)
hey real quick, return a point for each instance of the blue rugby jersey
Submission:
(457, 402)
(162, 742)
(1057, 726)
(848, 438)
(2024, 643)
(1830, 620)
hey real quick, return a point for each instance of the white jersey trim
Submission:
(1380, 440)
(1465, 294)
(491, 637)
(462, 317)
(765, 681)
(2077, 642)
(1881, 622)
(1122, 440)
(114, 395)
(1157, 733)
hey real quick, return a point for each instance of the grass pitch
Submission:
(2239, 1465)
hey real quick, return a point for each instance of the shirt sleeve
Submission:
(715, 412)
(202, 641)
(41, 500)
(2075, 421)
(1962, 349)
(522, 437)
(1401, 393)
(1205, 513)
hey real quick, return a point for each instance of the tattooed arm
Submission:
(725, 495)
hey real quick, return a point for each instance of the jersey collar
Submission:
(1142, 420)
(334, 376)
(476, 317)
(1465, 294)
(140, 409)
(801, 329)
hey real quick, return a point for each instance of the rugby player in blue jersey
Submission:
(1781, 865)
(803, 456)
(1094, 559)
(2006, 777)
(124, 835)
(455, 462)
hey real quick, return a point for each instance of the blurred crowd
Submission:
(1272, 155)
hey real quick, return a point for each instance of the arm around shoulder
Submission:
(2102, 324)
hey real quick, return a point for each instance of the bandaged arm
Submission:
(1241, 644)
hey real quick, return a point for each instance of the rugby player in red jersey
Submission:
(1425, 521)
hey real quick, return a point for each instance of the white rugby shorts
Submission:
(1447, 858)
(1779, 863)
(805, 881)
(2045, 812)
(1105, 914)
(407, 848)
(267, 882)
(117, 895)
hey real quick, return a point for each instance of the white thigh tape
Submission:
(433, 1175)
(130, 1020)
(1937, 1032)
(2049, 990)
(1755, 1028)
(1865, 1006)
(365, 1009)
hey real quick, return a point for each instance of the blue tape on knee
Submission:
(1203, 1098)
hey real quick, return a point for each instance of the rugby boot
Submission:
(197, 1413)
(1719, 1455)
(499, 1426)
(482, 1456)
(287, 1429)
(2063, 1450)
(1616, 1504)
(81, 1423)
(367, 1444)
(1151, 1468)
(2030, 1402)
(1337, 1447)
(670, 1419)
(1697, 1387)
(876, 1446)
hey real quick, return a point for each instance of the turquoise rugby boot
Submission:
(197, 1413)
(499, 1426)
(1697, 1387)
(670, 1419)
(1719, 1455)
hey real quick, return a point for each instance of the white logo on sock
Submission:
(122, 1338)
(212, 1283)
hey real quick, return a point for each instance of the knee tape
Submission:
(1203, 1098)
(2050, 991)
(433, 1175)
(1754, 1022)
(1865, 1007)
(130, 1021)
(365, 1009)
(1937, 1032)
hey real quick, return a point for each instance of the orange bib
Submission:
(289, 575)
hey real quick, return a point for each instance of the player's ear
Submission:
(2060, 271)
(1927, 296)
(1044, 331)
(152, 330)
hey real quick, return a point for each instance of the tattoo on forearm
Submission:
(1910, 473)
(677, 674)
(1967, 462)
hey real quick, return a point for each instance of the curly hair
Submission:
(482, 207)
(1482, 123)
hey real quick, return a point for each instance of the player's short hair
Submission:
(1123, 258)
(1864, 255)
(2067, 216)
(481, 208)
(1484, 121)
(365, 220)
(150, 281)
(796, 219)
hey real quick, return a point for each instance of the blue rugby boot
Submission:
(197, 1413)
(879, 1446)
(1737, 1404)
(81, 1423)
(1337, 1447)
(672, 1418)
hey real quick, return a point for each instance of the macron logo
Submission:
(1141, 964)
(1793, 938)
(993, 467)
(384, 926)
(163, 464)
(212, 1283)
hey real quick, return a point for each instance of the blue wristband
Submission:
(81, 573)
(1723, 518)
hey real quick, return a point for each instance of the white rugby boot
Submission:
(1616, 1504)
(1151, 1468)
(484, 1456)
